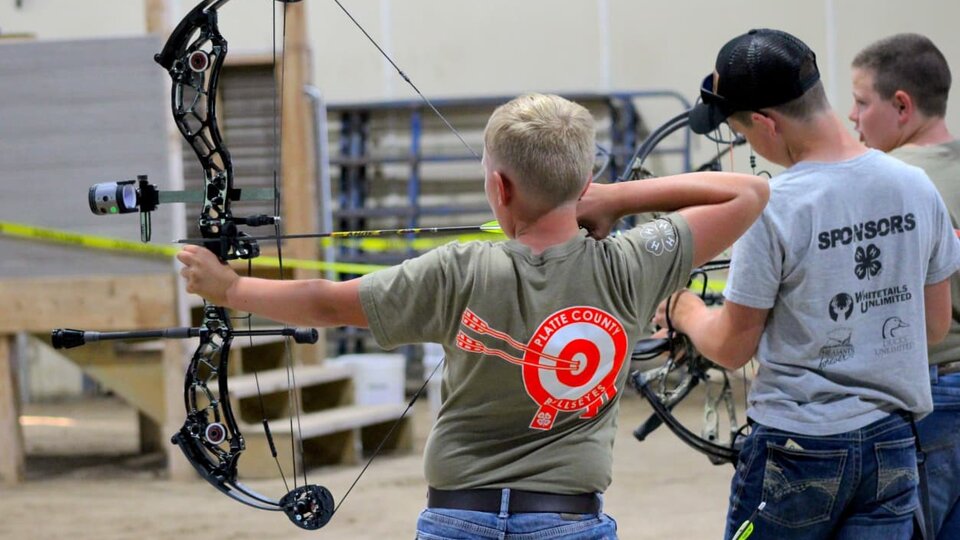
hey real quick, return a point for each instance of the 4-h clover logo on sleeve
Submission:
(868, 262)
(659, 236)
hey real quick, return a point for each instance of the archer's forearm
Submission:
(305, 302)
(710, 331)
(672, 193)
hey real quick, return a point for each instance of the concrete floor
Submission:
(661, 488)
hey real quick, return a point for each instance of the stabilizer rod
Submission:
(68, 338)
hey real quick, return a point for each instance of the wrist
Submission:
(684, 311)
(232, 291)
(616, 201)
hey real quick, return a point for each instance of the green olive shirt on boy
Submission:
(537, 349)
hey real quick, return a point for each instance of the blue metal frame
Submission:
(353, 161)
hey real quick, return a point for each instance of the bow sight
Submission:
(128, 196)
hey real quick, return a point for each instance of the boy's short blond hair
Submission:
(548, 142)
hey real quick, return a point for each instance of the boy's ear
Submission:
(586, 187)
(904, 105)
(768, 122)
(506, 189)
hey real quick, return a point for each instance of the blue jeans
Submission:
(940, 440)
(447, 524)
(856, 485)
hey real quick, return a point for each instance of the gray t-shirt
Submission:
(536, 349)
(841, 256)
(941, 162)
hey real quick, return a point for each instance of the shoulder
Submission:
(658, 235)
(900, 161)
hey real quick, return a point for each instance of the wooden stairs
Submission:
(332, 427)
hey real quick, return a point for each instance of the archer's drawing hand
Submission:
(683, 305)
(595, 210)
(205, 274)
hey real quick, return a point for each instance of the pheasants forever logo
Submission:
(570, 364)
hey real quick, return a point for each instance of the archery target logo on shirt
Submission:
(569, 365)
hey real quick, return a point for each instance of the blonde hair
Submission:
(548, 142)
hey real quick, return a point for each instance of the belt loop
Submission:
(504, 502)
(934, 374)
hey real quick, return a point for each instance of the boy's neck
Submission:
(551, 229)
(824, 139)
(928, 132)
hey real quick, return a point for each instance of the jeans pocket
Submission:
(444, 524)
(800, 486)
(897, 476)
(556, 526)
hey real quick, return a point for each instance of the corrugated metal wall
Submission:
(72, 114)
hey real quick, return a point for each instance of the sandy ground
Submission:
(86, 481)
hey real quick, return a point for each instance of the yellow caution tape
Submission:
(91, 241)
(30, 232)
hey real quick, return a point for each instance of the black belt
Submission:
(488, 500)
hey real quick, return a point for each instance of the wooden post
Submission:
(298, 165)
(174, 362)
(158, 17)
(11, 437)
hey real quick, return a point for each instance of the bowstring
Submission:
(408, 80)
(296, 437)
(476, 155)
(753, 167)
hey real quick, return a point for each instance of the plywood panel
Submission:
(89, 303)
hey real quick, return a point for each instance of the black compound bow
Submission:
(210, 437)
(685, 368)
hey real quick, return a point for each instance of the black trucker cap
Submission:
(759, 69)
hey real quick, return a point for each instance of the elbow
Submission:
(729, 354)
(734, 359)
(760, 192)
(937, 333)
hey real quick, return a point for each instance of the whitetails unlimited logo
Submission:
(842, 306)
(569, 365)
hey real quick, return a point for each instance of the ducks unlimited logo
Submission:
(569, 365)
(896, 337)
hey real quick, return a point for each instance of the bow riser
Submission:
(210, 437)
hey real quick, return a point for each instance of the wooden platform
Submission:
(149, 375)
(331, 428)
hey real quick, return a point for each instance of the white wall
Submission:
(461, 47)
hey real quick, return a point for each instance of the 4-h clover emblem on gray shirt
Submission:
(659, 236)
(868, 262)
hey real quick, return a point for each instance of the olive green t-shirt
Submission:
(536, 348)
(942, 164)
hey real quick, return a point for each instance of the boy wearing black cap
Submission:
(835, 293)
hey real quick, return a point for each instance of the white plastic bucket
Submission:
(378, 378)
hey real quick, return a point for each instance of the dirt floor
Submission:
(86, 481)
